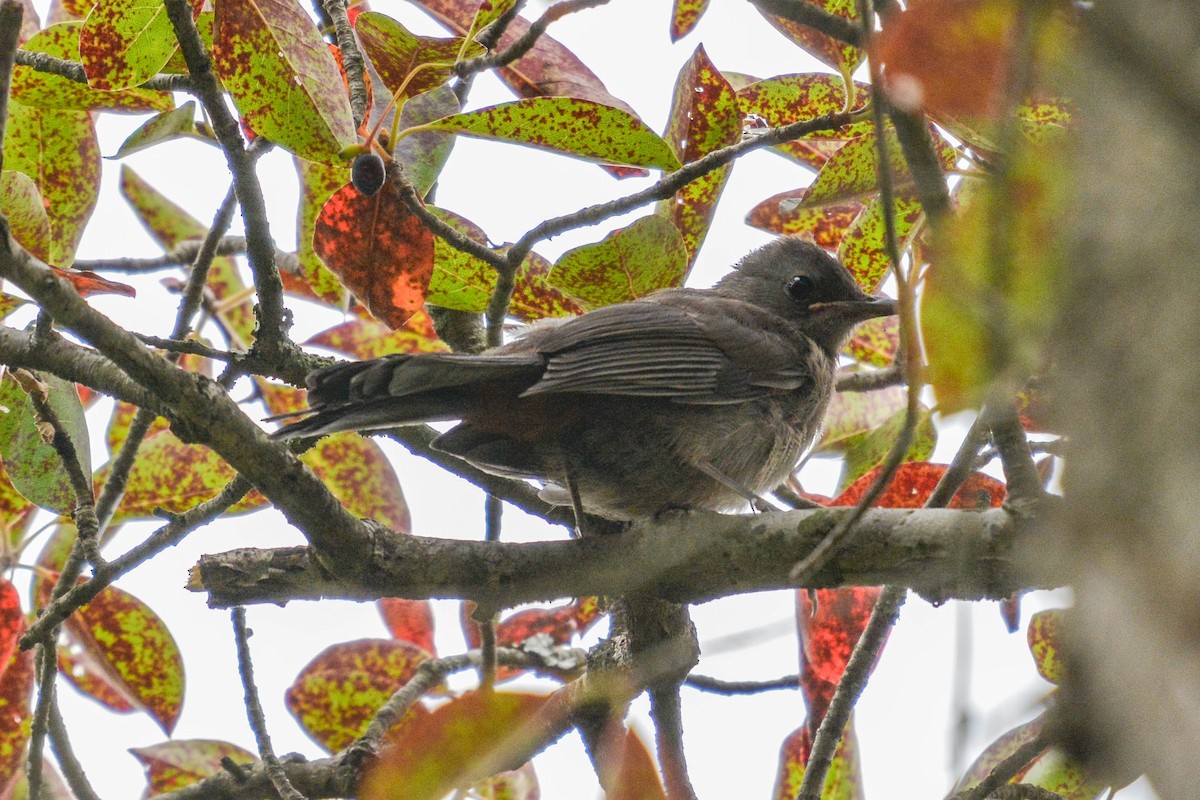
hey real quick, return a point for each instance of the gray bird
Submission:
(685, 398)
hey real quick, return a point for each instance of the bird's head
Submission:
(803, 284)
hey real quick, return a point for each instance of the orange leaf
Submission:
(379, 249)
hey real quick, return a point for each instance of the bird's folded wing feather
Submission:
(670, 349)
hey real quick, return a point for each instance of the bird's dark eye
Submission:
(800, 288)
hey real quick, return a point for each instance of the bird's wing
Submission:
(686, 347)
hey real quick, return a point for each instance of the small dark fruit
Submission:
(367, 173)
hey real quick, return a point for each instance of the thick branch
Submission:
(938, 553)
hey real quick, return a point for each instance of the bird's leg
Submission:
(756, 501)
(576, 502)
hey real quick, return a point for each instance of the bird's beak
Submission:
(870, 306)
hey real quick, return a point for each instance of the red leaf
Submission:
(684, 16)
(827, 637)
(15, 722)
(89, 283)
(914, 482)
(120, 642)
(704, 117)
(409, 621)
(379, 249)
(12, 621)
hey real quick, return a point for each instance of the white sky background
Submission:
(904, 719)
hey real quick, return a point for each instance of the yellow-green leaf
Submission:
(283, 78)
(629, 263)
(579, 128)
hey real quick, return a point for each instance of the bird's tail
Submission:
(408, 389)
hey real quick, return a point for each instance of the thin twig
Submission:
(717, 686)
(73, 71)
(254, 710)
(1020, 471)
(850, 687)
(666, 711)
(871, 380)
(526, 41)
(353, 64)
(47, 668)
(182, 253)
(961, 466)
(72, 770)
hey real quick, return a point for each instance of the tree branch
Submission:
(940, 554)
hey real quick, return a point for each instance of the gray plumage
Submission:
(683, 398)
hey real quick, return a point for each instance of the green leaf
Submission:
(783, 214)
(863, 248)
(360, 476)
(422, 155)
(867, 451)
(46, 90)
(33, 465)
(579, 128)
(1055, 771)
(460, 280)
(704, 117)
(174, 476)
(283, 78)
(125, 42)
(365, 337)
(988, 305)
(59, 151)
(853, 171)
(1045, 644)
(629, 263)
(164, 127)
(788, 98)
(844, 780)
(876, 341)
(21, 204)
(410, 64)
(852, 414)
